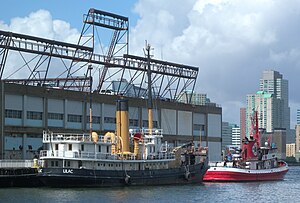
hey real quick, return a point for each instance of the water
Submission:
(270, 191)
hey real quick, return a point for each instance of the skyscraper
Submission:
(264, 104)
(272, 97)
(271, 102)
(272, 82)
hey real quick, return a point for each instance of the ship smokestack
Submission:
(122, 124)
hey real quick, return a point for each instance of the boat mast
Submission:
(90, 68)
(257, 135)
(150, 103)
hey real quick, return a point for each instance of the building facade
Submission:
(290, 150)
(226, 134)
(195, 98)
(298, 116)
(28, 110)
(263, 103)
(297, 143)
(236, 135)
(243, 122)
(272, 82)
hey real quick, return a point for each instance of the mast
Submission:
(257, 135)
(150, 103)
(90, 68)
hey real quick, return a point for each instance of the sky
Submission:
(231, 41)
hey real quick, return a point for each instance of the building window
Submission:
(55, 116)
(145, 124)
(74, 118)
(34, 115)
(95, 119)
(109, 120)
(133, 122)
(13, 113)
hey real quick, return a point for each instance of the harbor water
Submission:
(269, 191)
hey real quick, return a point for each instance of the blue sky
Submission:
(67, 10)
(231, 41)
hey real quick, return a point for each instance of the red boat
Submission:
(252, 163)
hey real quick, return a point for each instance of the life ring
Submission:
(187, 175)
(254, 149)
(127, 180)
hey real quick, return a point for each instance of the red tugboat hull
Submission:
(230, 174)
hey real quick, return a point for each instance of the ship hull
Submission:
(19, 177)
(225, 174)
(60, 177)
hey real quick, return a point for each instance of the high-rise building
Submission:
(231, 135)
(272, 82)
(265, 105)
(236, 135)
(271, 102)
(243, 122)
(226, 135)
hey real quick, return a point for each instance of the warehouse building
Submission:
(28, 110)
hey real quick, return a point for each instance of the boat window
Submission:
(99, 148)
(52, 163)
(82, 147)
(70, 147)
(56, 146)
(68, 163)
(107, 149)
(56, 163)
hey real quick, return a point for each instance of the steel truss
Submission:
(64, 65)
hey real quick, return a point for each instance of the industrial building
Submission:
(27, 111)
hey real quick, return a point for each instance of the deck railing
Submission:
(16, 163)
(100, 156)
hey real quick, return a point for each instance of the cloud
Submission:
(40, 24)
(232, 42)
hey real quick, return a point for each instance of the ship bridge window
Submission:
(99, 148)
(70, 147)
(107, 149)
(56, 146)
(82, 147)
